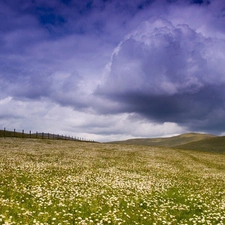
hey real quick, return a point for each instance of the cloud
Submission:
(164, 73)
(36, 51)
(169, 73)
(46, 116)
(33, 65)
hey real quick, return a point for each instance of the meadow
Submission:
(68, 182)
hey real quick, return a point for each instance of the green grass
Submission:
(167, 142)
(62, 182)
(5, 133)
(42, 135)
(215, 144)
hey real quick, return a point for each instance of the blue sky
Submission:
(112, 70)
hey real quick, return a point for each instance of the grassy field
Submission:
(65, 182)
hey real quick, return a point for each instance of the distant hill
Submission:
(169, 141)
(213, 144)
(42, 135)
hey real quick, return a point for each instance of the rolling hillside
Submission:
(167, 142)
(38, 135)
(214, 144)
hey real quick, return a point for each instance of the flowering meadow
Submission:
(67, 182)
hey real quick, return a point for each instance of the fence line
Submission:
(40, 135)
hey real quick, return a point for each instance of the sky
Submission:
(110, 70)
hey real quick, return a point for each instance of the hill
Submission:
(213, 144)
(169, 141)
(42, 135)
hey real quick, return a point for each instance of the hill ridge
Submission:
(186, 141)
(167, 141)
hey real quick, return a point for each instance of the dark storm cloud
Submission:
(203, 110)
(32, 59)
(169, 73)
(40, 39)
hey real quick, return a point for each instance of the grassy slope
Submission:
(12, 134)
(16, 134)
(168, 142)
(215, 144)
(6, 133)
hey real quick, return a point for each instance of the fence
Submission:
(40, 135)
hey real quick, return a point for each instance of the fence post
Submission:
(42, 135)
(30, 133)
(22, 133)
(14, 133)
(48, 135)
(4, 131)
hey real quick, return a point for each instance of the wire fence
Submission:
(40, 135)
